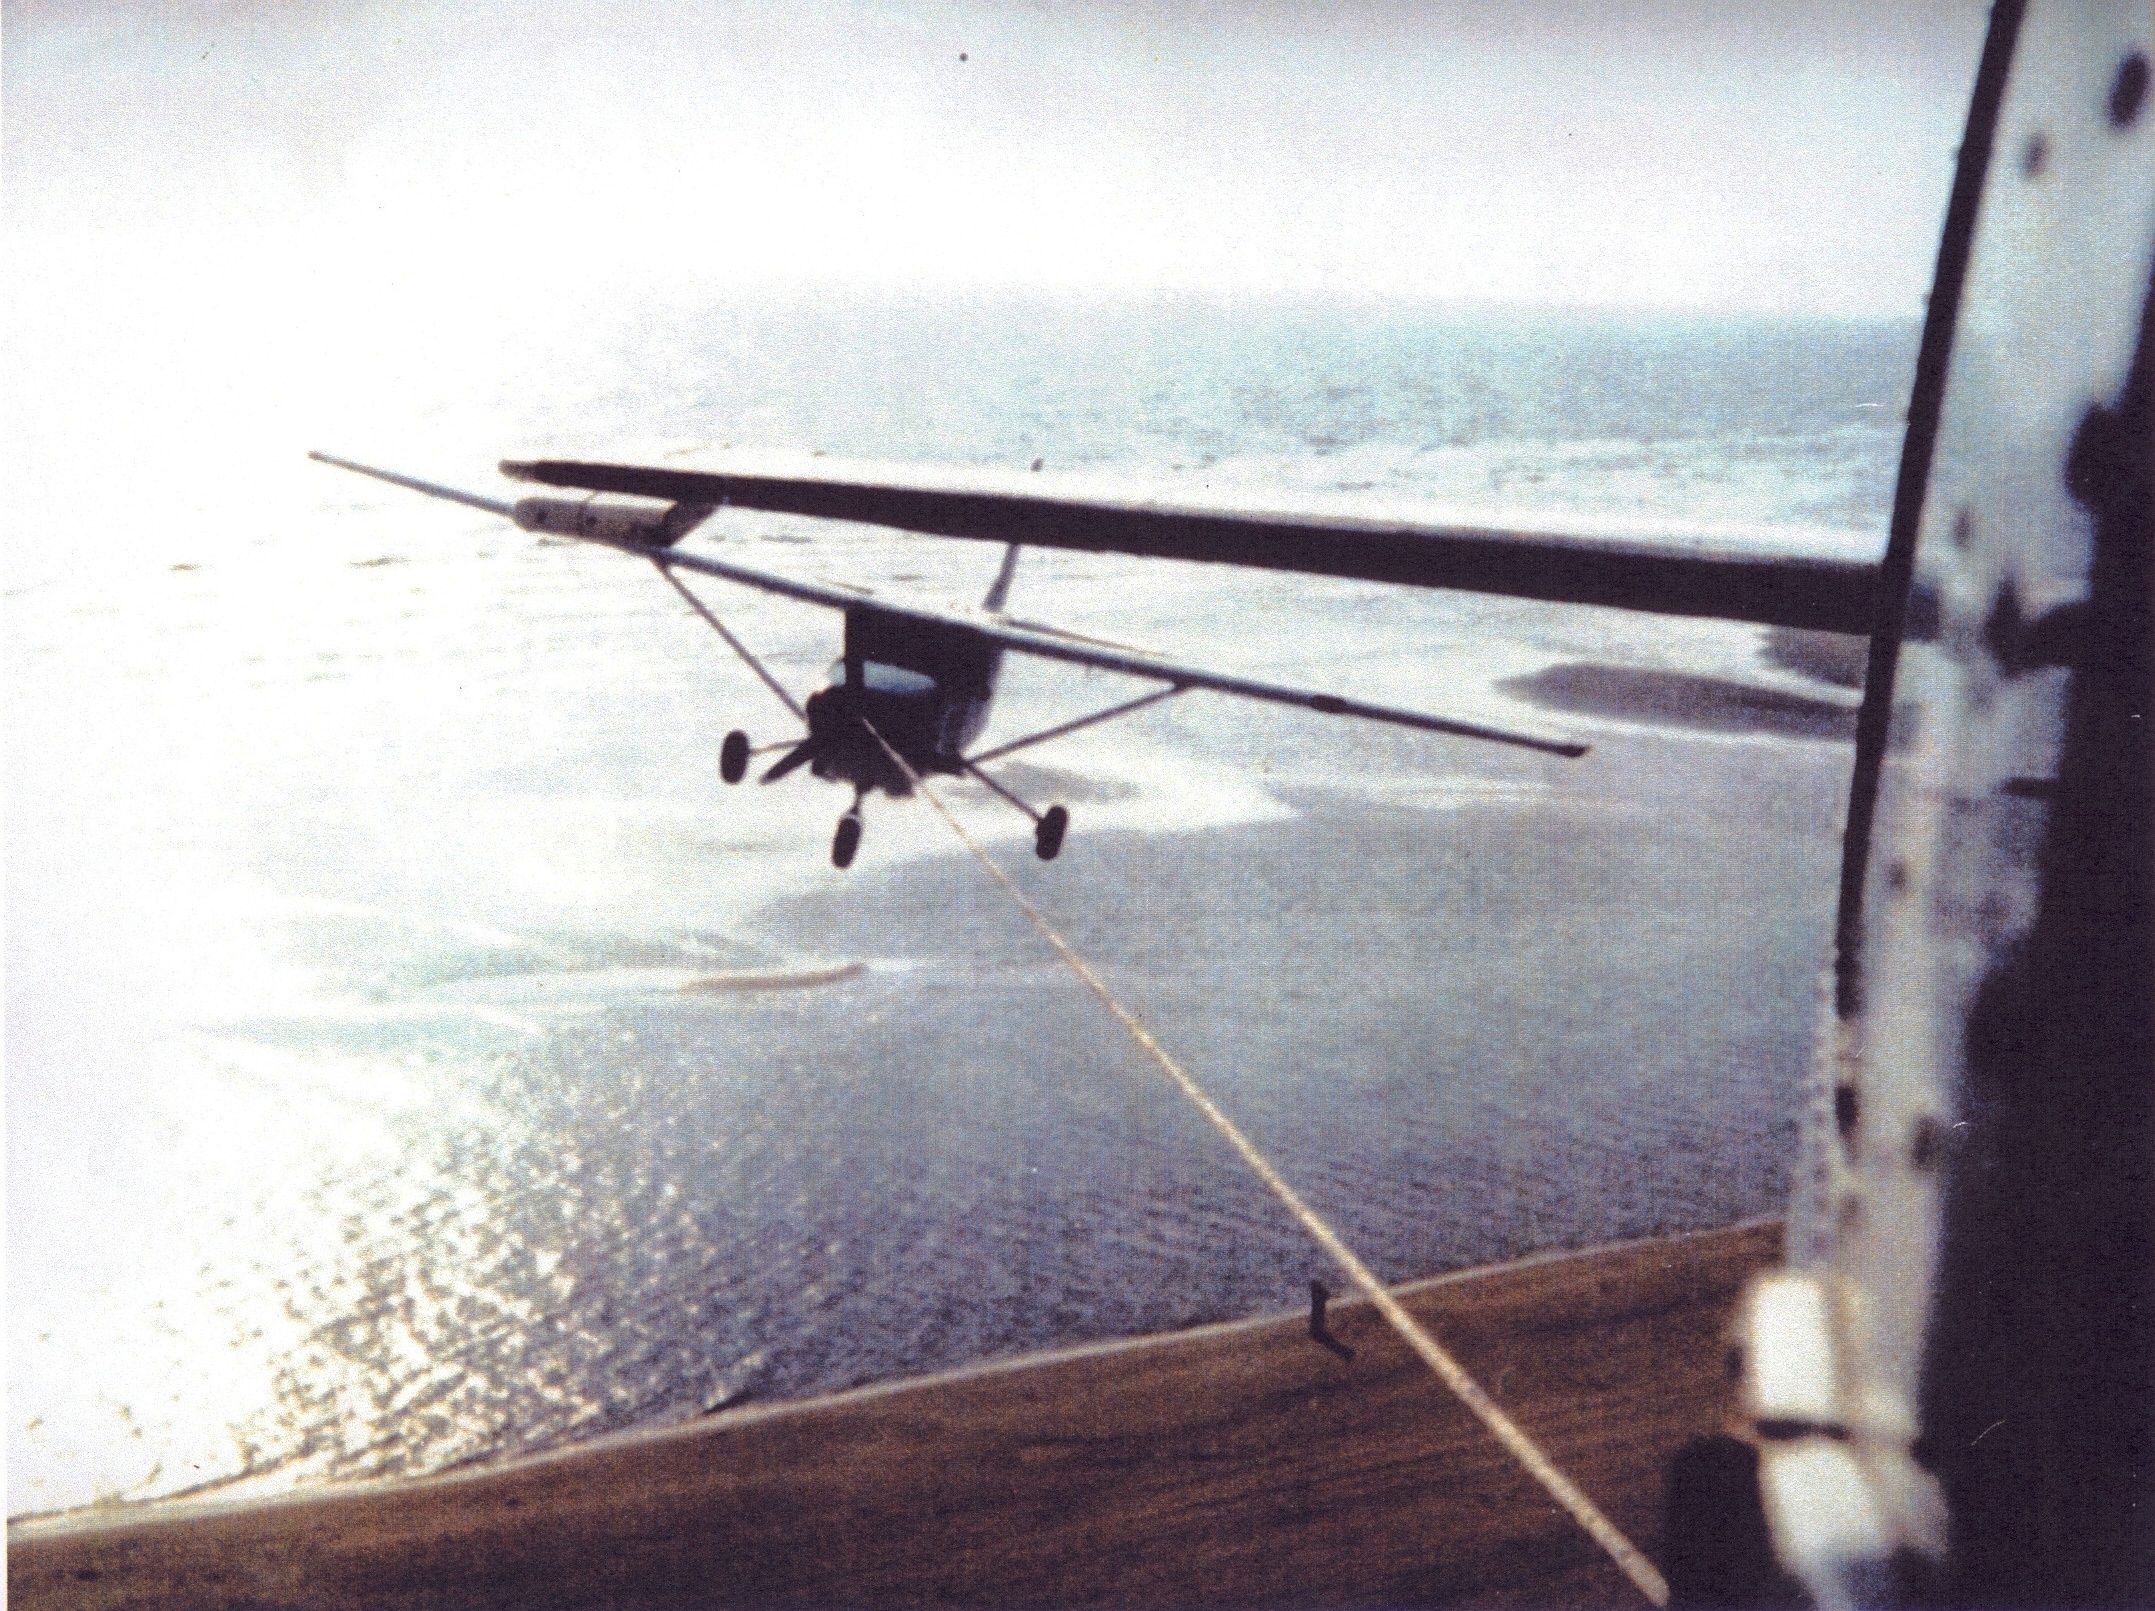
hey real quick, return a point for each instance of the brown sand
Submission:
(1239, 1464)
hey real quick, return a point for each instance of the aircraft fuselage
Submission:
(926, 687)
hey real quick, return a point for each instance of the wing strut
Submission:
(1098, 716)
(1000, 591)
(411, 483)
(982, 777)
(732, 642)
(651, 536)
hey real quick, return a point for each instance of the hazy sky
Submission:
(1786, 156)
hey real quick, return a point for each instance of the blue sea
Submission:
(415, 1056)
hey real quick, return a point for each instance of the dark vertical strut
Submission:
(999, 590)
(1925, 406)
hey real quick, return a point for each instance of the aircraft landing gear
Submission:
(1049, 826)
(733, 757)
(1048, 832)
(847, 840)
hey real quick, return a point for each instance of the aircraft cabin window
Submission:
(473, 1062)
(880, 678)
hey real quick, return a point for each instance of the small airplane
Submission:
(916, 683)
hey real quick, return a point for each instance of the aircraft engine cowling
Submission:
(649, 525)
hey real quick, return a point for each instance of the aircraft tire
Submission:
(1048, 833)
(846, 841)
(733, 757)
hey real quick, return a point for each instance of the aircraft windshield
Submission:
(473, 1073)
(880, 677)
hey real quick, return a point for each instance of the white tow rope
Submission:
(1629, 1558)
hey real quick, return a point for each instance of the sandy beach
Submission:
(472, 1074)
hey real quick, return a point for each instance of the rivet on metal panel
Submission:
(1963, 528)
(2035, 155)
(2128, 91)
(1925, 1140)
(1897, 876)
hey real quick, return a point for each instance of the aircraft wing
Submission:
(650, 534)
(1772, 576)
(1051, 644)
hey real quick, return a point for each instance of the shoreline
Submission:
(1443, 1006)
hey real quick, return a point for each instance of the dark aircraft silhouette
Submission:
(916, 683)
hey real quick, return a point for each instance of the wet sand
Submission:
(1536, 1006)
(1828, 656)
(1474, 1004)
(1241, 1465)
(1710, 704)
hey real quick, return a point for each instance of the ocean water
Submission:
(414, 1056)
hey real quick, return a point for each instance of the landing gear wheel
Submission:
(733, 757)
(846, 841)
(1048, 832)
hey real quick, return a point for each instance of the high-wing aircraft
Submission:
(916, 683)
(1943, 1396)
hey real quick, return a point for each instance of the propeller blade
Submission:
(798, 756)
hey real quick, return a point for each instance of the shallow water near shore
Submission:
(416, 1057)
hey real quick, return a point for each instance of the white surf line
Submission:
(1628, 1557)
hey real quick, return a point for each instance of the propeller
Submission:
(795, 758)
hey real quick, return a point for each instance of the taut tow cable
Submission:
(1627, 1556)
